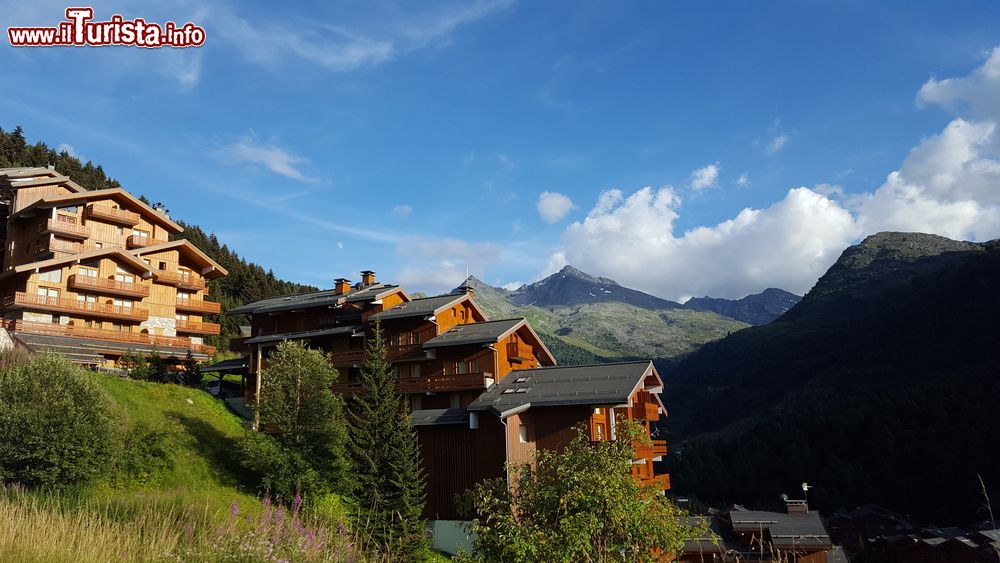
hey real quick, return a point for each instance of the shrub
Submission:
(57, 426)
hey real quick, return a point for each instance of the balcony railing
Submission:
(430, 384)
(117, 216)
(198, 327)
(517, 351)
(646, 411)
(405, 352)
(56, 245)
(114, 287)
(136, 241)
(183, 281)
(22, 300)
(64, 227)
(349, 357)
(661, 481)
(49, 329)
(440, 382)
(198, 306)
(657, 449)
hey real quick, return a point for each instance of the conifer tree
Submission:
(388, 483)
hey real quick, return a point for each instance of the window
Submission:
(599, 431)
(181, 317)
(124, 303)
(123, 276)
(98, 245)
(163, 265)
(70, 209)
(52, 276)
(48, 292)
(522, 432)
(140, 233)
(183, 295)
(146, 260)
(87, 299)
(84, 271)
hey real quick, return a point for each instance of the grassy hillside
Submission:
(200, 436)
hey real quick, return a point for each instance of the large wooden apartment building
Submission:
(94, 275)
(482, 392)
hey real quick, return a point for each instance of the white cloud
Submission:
(743, 181)
(705, 177)
(776, 144)
(402, 211)
(68, 149)
(372, 37)
(949, 184)
(553, 206)
(439, 265)
(512, 286)
(275, 159)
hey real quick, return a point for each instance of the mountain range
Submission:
(585, 318)
(878, 386)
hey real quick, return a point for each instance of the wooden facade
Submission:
(100, 266)
(448, 358)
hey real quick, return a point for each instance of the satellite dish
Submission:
(784, 497)
(806, 487)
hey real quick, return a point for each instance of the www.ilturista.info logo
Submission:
(78, 31)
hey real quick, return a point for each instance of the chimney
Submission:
(341, 286)
(468, 290)
(794, 506)
(367, 278)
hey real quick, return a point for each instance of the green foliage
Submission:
(57, 426)
(387, 480)
(147, 450)
(581, 504)
(305, 452)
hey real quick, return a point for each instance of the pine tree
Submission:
(388, 483)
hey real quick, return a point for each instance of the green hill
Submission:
(878, 387)
(584, 319)
(196, 437)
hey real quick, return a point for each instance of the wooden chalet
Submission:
(481, 392)
(94, 275)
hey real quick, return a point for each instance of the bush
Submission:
(57, 426)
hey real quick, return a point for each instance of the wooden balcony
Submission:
(518, 351)
(645, 411)
(65, 228)
(56, 245)
(112, 215)
(429, 384)
(114, 287)
(350, 357)
(136, 241)
(441, 382)
(196, 327)
(657, 449)
(661, 481)
(405, 352)
(182, 281)
(198, 306)
(49, 329)
(22, 300)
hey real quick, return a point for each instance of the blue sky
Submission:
(510, 138)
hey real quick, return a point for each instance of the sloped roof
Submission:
(301, 335)
(786, 530)
(214, 270)
(83, 350)
(439, 417)
(113, 253)
(117, 193)
(325, 298)
(475, 333)
(597, 384)
(423, 307)
(27, 177)
(234, 364)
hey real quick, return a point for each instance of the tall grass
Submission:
(37, 528)
(54, 528)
